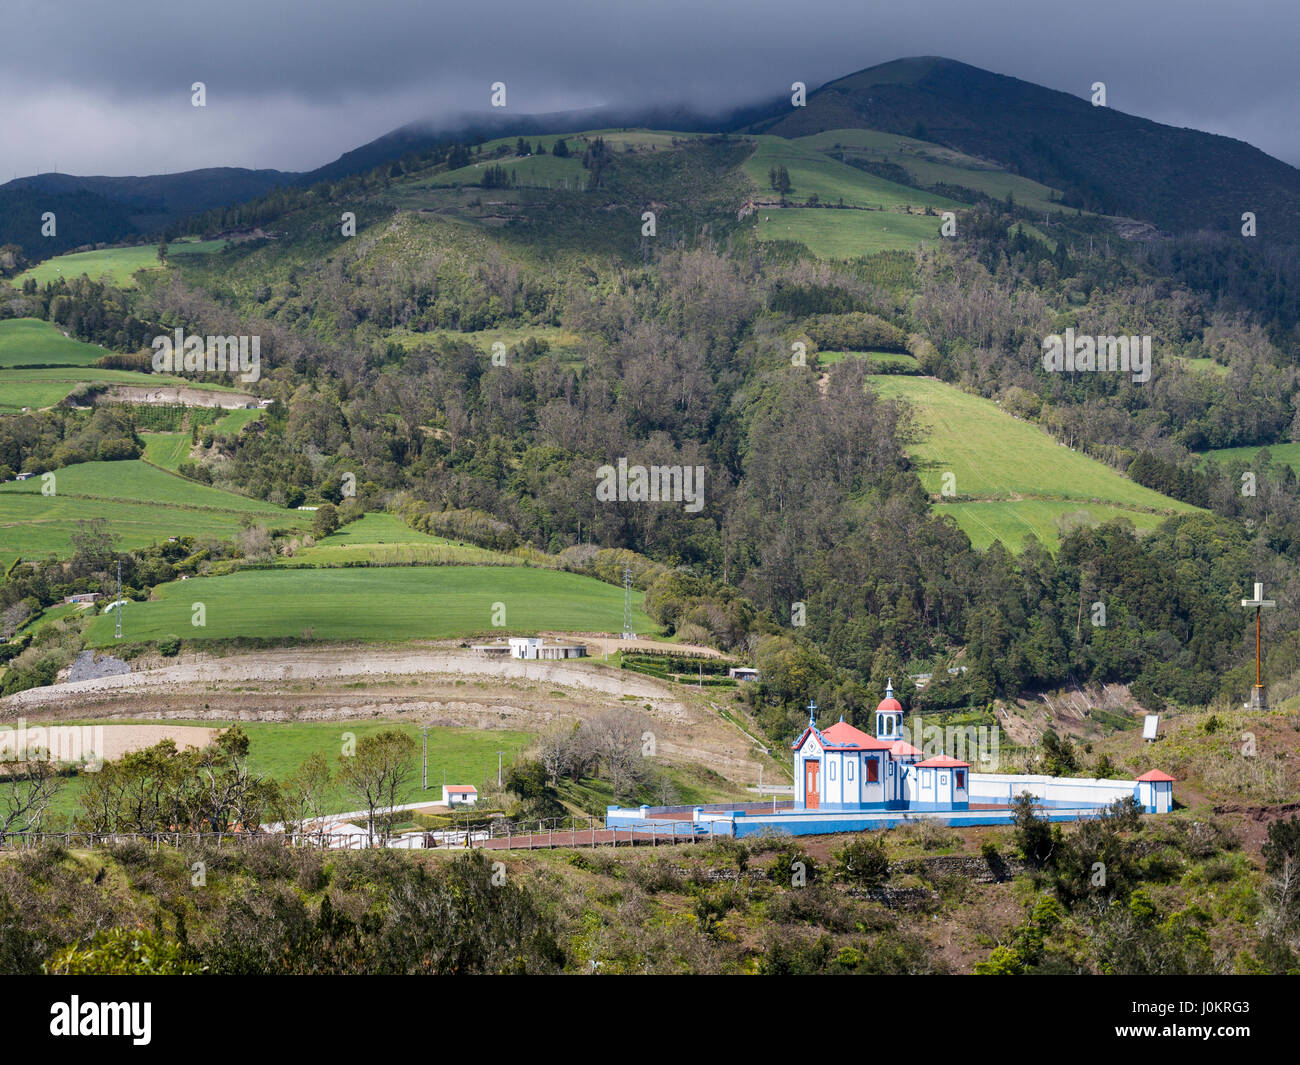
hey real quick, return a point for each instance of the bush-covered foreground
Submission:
(1177, 895)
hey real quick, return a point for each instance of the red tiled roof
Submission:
(1155, 774)
(903, 749)
(462, 787)
(942, 761)
(843, 736)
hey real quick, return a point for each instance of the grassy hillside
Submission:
(117, 264)
(813, 172)
(45, 388)
(278, 748)
(387, 540)
(142, 504)
(167, 450)
(1010, 478)
(901, 363)
(400, 603)
(31, 342)
(1179, 179)
(1287, 454)
(932, 164)
(835, 234)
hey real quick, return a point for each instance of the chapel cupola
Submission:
(889, 715)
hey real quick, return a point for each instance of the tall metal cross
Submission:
(1258, 697)
(812, 710)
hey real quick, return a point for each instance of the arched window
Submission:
(848, 772)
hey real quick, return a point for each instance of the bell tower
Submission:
(889, 715)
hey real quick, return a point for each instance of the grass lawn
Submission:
(399, 603)
(31, 342)
(834, 234)
(117, 264)
(142, 503)
(1009, 476)
(276, 749)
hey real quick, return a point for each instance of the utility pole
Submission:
(628, 634)
(1258, 696)
(499, 753)
(118, 634)
(424, 782)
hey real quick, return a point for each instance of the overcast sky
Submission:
(103, 86)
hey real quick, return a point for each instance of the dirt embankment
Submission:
(440, 687)
(171, 394)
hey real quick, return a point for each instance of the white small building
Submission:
(742, 673)
(534, 647)
(459, 795)
(1155, 792)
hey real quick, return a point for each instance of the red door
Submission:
(812, 793)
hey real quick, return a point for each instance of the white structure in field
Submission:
(459, 795)
(530, 647)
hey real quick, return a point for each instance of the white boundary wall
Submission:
(1070, 791)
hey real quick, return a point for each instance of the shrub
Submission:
(863, 862)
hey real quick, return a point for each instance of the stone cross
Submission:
(1258, 697)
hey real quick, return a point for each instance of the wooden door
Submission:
(812, 791)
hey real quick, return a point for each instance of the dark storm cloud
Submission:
(93, 87)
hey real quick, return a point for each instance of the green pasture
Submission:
(142, 504)
(31, 342)
(836, 234)
(384, 539)
(931, 164)
(813, 172)
(167, 450)
(118, 265)
(276, 749)
(367, 603)
(1281, 454)
(1008, 476)
(46, 387)
(874, 358)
